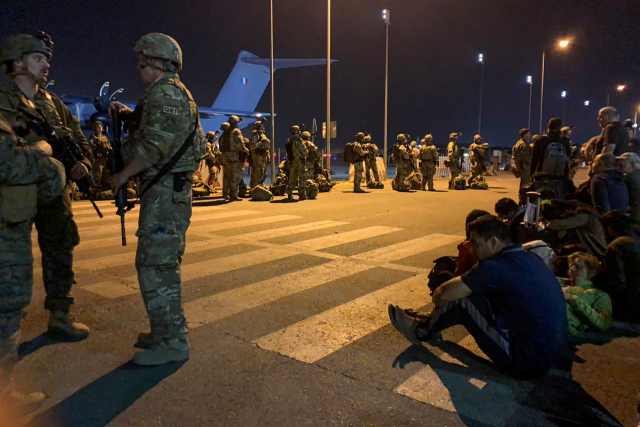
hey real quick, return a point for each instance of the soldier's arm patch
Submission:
(169, 110)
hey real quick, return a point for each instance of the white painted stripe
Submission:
(125, 258)
(113, 223)
(220, 226)
(316, 337)
(90, 216)
(129, 285)
(342, 238)
(410, 247)
(215, 307)
(287, 231)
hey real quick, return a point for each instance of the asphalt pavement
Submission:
(286, 304)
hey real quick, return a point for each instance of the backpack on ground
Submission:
(260, 193)
(349, 156)
(555, 159)
(414, 181)
(459, 183)
(478, 183)
(312, 189)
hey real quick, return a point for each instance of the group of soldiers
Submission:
(37, 133)
(362, 154)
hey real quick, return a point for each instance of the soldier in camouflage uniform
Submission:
(403, 162)
(359, 156)
(313, 158)
(370, 162)
(428, 160)
(296, 158)
(454, 158)
(522, 152)
(25, 59)
(212, 160)
(100, 149)
(232, 147)
(477, 153)
(260, 149)
(27, 174)
(168, 121)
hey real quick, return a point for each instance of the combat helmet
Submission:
(158, 45)
(306, 135)
(294, 129)
(477, 138)
(367, 139)
(210, 135)
(234, 120)
(96, 124)
(225, 126)
(454, 135)
(428, 138)
(359, 136)
(13, 48)
(401, 137)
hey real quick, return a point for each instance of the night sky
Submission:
(434, 74)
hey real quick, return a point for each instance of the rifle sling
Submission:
(166, 168)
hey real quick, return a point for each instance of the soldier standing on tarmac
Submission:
(312, 157)
(260, 148)
(169, 132)
(296, 158)
(100, 148)
(428, 159)
(454, 157)
(212, 160)
(231, 147)
(402, 157)
(358, 156)
(25, 59)
(477, 153)
(370, 163)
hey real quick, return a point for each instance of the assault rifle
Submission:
(116, 164)
(65, 149)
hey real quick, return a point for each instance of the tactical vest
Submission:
(225, 141)
(289, 148)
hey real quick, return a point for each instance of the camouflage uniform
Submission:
(168, 116)
(27, 176)
(402, 158)
(454, 157)
(313, 158)
(522, 155)
(296, 156)
(100, 148)
(211, 158)
(260, 148)
(477, 153)
(358, 155)
(428, 159)
(231, 147)
(57, 231)
(370, 162)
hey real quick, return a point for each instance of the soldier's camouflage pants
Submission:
(213, 175)
(97, 170)
(231, 176)
(357, 175)
(371, 165)
(297, 179)
(402, 173)
(57, 236)
(428, 170)
(455, 171)
(258, 171)
(165, 216)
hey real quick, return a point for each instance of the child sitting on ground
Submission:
(588, 308)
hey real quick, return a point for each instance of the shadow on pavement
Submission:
(100, 402)
(482, 395)
(201, 202)
(28, 347)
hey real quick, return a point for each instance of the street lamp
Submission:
(273, 107)
(328, 128)
(50, 83)
(386, 16)
(562, 44)
(530, 83)
(586, 103)
(619, 88)
(481, 61)
(115, 93)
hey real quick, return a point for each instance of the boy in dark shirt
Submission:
(511, 303)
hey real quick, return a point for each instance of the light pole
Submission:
(115, 93)
(387, 21)
(620, 88)
(563, 94)
(273, 108)
(530, 83)
(562, 44)
(49, 83)
(481, 61)
(328, 129)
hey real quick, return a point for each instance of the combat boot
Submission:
(359, 190)
(63, 323)
(175, 350)
(302, 196)
(290, 197)
(234, 199)
(146, 340)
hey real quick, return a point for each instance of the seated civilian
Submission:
(621, 267)
(508, 211)
(466, 259)
(510, 302)
(588, 308)
(575, 223)
(629, 164)
(542, 250)
(608, 190)
(561, 262)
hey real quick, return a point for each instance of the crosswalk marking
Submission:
(293, 229)
(239, 224)
(129, 285)
(215, 307)
(120, 259)
(114, 225)
(318, 336)
(408, 248)
(342, 238)
(88, 217)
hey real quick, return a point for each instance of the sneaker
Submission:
(162, 353)
(404, 324)
(63, 323)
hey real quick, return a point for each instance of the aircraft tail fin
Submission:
(249, 79)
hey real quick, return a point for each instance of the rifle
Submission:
(65, 149)
(116, 164)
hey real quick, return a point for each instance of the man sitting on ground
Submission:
(629, 164)
(621, 272)
(510, 303)
(608, 190)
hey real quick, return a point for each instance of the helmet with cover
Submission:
(158, 45)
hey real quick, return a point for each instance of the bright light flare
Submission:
(563, 94)
(586, 103)
(621, 88)
(529, 80)
(563, 43)
(386, 16)
(480, 58)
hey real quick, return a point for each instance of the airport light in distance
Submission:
(480, 58)
(529, 80)
(563, 43)
(386, 16)
(586, 103)
(621, 88)
(563, 94)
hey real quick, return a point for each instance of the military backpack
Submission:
(349, 156)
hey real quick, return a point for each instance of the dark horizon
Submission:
(434, 75)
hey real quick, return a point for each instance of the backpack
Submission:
(459, 183)
(260, 193)
(348, 153)
(312, 189)
(478, 183)
(555, 159)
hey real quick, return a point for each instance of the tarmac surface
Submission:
(286, 304)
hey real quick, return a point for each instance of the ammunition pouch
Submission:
(18, 203)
